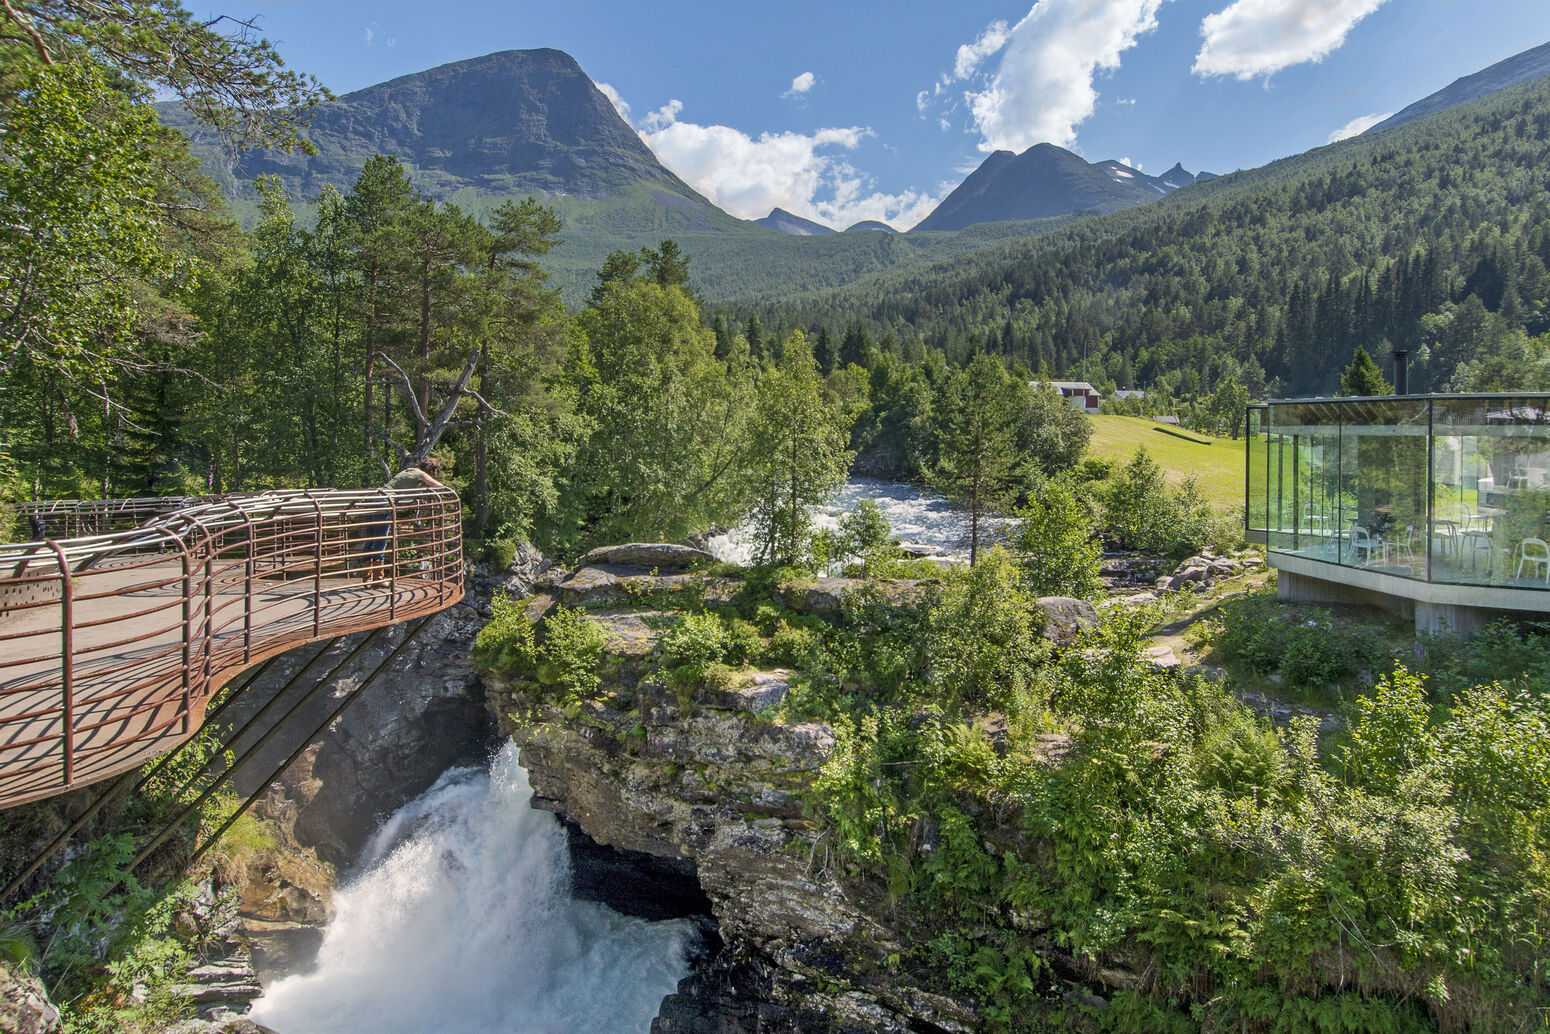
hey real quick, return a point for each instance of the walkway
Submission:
(115, 665)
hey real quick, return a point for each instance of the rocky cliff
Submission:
(708, 778)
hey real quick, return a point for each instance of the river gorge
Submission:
(462, 911)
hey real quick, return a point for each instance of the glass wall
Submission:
(1445, 488)
(1491, 491)
(1255, 460)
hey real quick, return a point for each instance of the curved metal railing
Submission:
(111, 645)
(78, 518)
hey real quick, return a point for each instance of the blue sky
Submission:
(840, 111)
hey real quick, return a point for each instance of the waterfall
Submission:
(460, 920)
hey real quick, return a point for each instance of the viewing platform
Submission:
(112, 643)
(1431, 505)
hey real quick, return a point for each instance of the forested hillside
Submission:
(1433, 236)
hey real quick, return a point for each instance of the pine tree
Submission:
(977, 463)
(1363, 378)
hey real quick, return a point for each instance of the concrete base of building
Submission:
(1470, 608)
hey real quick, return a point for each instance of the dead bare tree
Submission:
(428, 429)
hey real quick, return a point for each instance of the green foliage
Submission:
(983, 642)
(1306, 645)
(664, 420)
(1362, 377)
(1057, 544)
(976, 462)
(797, 457)
(1395, 884)
(864, 530)
(1496, 653)
(1391, 736)
(850, 788)
(78, 183)
(694, 644)
(1143, 513)
(506, 643)
(569, 658)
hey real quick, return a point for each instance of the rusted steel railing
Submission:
(78, 518)
(112, 644)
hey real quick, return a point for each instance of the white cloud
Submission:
(801, 84)
(970, 55)
(1042, 88)
(614, 98)
(1125, 102)
(392, 41)
(1252, 38)
(662, 118)
(1357, 126)
(369, 35)
(799, 172)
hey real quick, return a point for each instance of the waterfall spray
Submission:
(460, 920)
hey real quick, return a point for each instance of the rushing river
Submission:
(917, 515)
(460, 920)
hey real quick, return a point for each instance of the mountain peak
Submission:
(514, 121)
(1044, 181)
(783, 221)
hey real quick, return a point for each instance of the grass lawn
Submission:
(1217, 467)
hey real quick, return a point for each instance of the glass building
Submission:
(1436, 504)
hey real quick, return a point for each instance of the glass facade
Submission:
(1444, 488)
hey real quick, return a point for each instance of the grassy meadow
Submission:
(1216, 463)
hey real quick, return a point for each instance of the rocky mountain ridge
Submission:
(509, 123)
(786, 222)
(1527, 66)
(1047, 181)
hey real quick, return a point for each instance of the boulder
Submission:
(599, 586)
(648, 555)
(628, 634)
(757, 691)
(1066, 617)
(1162, 657)
(24, 1004)
(826, 596)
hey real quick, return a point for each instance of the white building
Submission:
(1080, 395)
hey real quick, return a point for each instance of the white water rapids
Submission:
(460, 920)
(917, 515)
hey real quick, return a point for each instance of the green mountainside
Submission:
(1434, 235)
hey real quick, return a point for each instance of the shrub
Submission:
(506, 643)
(499, 553)
(1142, 513)
(1306, 645)
(571, 653)
(696, 640)
(982, 639)
(1242, 755)
(1056, 543)
(794, 645)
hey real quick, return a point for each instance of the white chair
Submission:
(1362, 542)
(1536, 552)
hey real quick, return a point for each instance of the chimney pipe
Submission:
(1401, 373)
